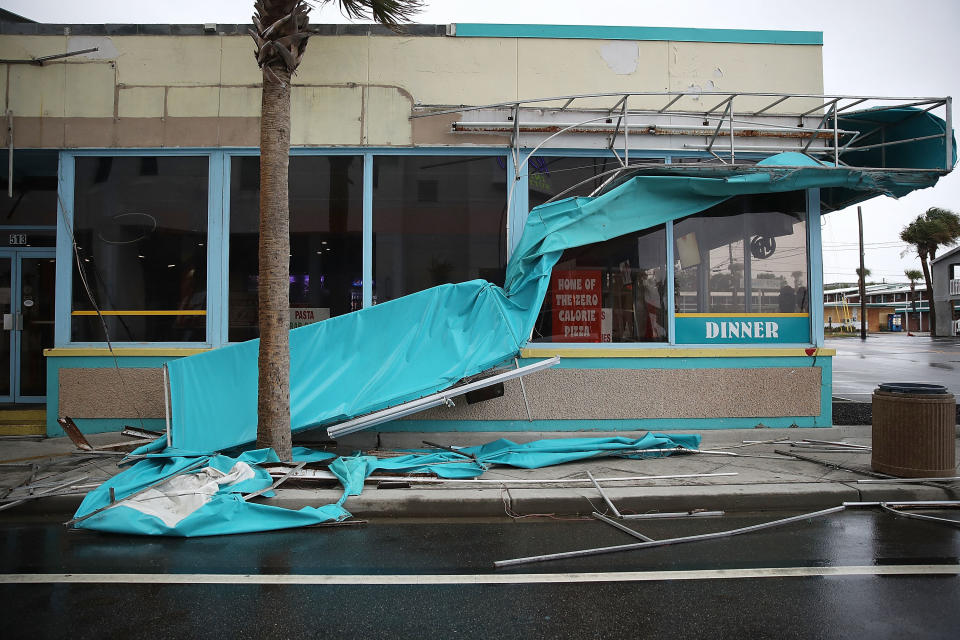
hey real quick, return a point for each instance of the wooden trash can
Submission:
(913, 430)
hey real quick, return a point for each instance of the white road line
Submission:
(439, 579)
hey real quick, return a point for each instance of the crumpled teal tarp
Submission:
(422, 343)
(226, 512)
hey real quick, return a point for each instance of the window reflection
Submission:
(746, 255)
(326, 221)
(612, 291)
(140, 225)
(437, 220)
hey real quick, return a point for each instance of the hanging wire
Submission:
(103, 323)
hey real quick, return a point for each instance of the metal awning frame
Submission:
(786, 120)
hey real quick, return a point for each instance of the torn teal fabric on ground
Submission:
(209, 500)
(353, 364)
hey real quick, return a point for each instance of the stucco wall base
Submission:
(558, 394)
(111, 393)
(615, 394)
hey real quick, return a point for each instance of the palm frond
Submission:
(390, 13)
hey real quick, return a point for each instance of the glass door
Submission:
(27, 279)
(37, 275)
(6, 340)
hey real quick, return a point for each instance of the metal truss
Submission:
(720, 127)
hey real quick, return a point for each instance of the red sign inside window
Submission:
(575, 299)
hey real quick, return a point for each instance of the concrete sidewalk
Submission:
(766, 482)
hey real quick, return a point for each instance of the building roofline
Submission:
(460, 30)
(947, 254)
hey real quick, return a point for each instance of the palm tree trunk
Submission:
(273, 404)
(933, 309)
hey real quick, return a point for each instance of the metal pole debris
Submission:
(680, 514)
(523, 391)
(452, 450)
(433, 400)
(833, 465)
(604, 496)
(917, 516)
(322, 474)
(908, 480)
(622, 527)
(41, 494)
(660, 543)
(276, 483)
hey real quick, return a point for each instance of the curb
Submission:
(496, 502)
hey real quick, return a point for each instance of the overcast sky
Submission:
(870, 47)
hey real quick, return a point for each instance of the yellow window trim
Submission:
(67, 352)
(145, 312)
(674, 352)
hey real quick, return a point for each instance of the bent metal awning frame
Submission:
(724, 125)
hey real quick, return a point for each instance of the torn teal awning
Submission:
(425, 342)
(188, 496)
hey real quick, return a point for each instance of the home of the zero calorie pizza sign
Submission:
(575, 299)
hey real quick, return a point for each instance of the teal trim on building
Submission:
(107, 425)
(674, 34)
(757, 329)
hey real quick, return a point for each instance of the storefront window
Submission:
(140, 225)
(549, 176)
(32, 210)
(326, 251)
(612, 291)
(746, 255)
(437, 219)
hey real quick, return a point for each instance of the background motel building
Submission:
(134, 176)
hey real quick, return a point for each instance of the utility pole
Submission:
(863, 282)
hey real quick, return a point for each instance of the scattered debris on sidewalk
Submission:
(174, 494)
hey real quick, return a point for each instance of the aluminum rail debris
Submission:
(622, 527)
(907, 480)
(277, 482)
(917, 516)
(322, 474)
(603, 495)
(434, 400)
(500, 564)
(693, 513)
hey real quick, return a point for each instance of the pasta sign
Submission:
(575, 297)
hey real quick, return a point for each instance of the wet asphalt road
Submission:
(860, 366)
(662, 606)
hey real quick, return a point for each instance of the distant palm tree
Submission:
(931, 230)
(913, 275)
(280, 32)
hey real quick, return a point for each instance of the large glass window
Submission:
(34, 200)
(612, 291)
(550, 176)
(436, 220)
(326, 251)
(746, 255)
(140, 225)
